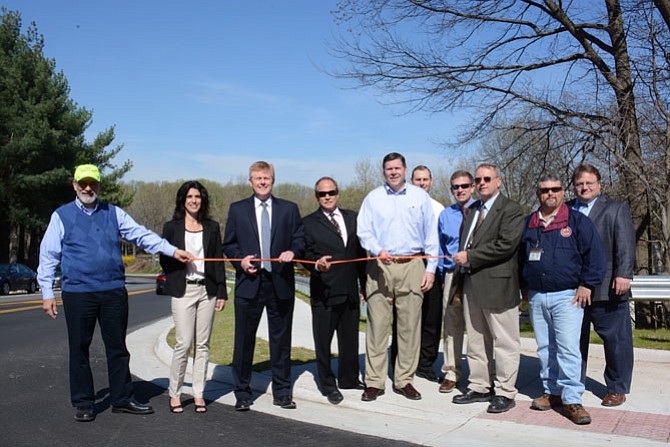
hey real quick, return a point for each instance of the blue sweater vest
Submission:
(91, 258)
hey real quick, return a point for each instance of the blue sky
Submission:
(202, 89)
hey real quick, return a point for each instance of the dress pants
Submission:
(248, 314)
(393, 286)
(343, 319)
(82, 311)
(612, 323)
(193, 316)
(454, 331)
(431, 325)
(502, 326)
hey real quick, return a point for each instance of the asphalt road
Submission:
(35, 409)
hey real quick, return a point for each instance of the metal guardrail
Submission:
(650, 287)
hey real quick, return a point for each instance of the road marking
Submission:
(37, 304)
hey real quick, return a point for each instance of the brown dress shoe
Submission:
(546, 402)
(447, 386)
(371, 393)
(408, 391)
(613, 400)
(576, 413)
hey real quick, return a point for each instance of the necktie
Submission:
(265, 238)
(480, 219)
(335, 224)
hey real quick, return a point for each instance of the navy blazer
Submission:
(614, 223)
(342, 281)
(175, 271)
(241, 239)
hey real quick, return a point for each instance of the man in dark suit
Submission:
(271, 227)
(330, 235)
(488, 269)
(609, 312)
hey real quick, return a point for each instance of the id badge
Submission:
(535, 254)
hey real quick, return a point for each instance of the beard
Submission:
(87, 198)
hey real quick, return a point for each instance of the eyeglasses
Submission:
(479, 180)
(84, 183)
(587, 184)
(552, 189)
(322, 194)
(461, 186)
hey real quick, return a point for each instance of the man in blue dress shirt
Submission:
(396, 221)
(83, 236)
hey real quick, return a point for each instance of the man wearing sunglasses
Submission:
(608, 310)
(396, 224)
(488, 269)
(449, 225)
(562, 261)
(330, 235)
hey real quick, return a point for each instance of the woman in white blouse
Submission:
(198, 289)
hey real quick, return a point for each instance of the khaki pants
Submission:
(193, 315)
(502, 326)
(389, 286)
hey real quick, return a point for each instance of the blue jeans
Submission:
(557, 324)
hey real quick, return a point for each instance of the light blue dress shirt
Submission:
(401, 223)
(584, 208)
(449, 224)
(52, 244)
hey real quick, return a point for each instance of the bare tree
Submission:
(568, 61)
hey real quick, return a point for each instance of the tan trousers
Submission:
(454, 333)
(193, 315)
(387, 286)
(502, 326)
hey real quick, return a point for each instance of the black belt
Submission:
(199, 282)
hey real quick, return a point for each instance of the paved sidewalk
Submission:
(644, 420)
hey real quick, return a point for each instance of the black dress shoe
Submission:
(133, 407)
(242, 405)
(335, 397)
(472, 396)
(408, 391)
(284, 402)
(500, 404)
(358, 386)
(427, 374)
(84, 414)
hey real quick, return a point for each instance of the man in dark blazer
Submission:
(270, 227)
(609, 312)
(488, 270)
(330, 235)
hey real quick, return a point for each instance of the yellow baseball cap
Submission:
(86, 171)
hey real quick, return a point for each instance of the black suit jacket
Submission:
(241, 239)
(175, 271)
(493, 255)
(342, 281)
(614, 223)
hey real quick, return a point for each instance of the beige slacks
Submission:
(387, 286)
(502, 326)
(193, 316)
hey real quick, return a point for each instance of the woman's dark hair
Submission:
(180, 209)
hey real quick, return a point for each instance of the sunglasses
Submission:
(322, 194)
(486, 179)
(461, 186)
(552, 189)
(84, 183)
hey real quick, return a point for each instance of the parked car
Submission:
(160, 281)
(17, 277)
(58, 278)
